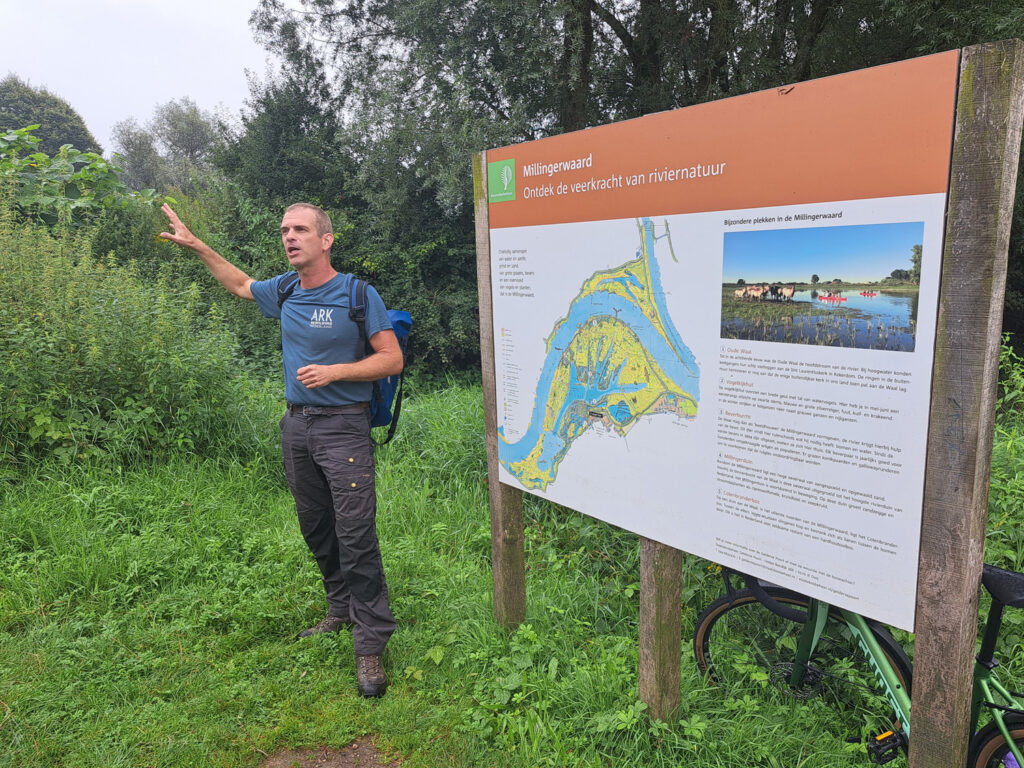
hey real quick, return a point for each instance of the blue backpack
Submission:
(386, 402)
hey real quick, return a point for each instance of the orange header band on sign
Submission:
(881, 132)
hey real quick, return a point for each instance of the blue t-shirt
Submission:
(316, 330)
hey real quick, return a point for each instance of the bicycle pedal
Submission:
(886, 746)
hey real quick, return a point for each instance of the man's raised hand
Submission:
(227, 274)
(180, 234)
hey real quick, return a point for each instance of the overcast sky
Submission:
(113, 59)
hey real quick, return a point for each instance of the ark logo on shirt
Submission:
(321, 318)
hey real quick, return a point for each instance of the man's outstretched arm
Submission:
(231, 277)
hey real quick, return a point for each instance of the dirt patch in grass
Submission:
(361, 753)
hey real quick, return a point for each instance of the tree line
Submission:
(376, 107)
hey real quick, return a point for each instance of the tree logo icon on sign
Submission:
(501, 181)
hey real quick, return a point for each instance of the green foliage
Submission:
(174, 150)
(142, 165)
(1005, 542)
(68, 189)
(129, 234)
(1013, 304)
(290, 150)
(101, 365)
(424, 83)
(188, 133)
(233, 225)
(60, 124)
(1010, 403)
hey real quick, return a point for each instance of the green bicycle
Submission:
(783, 641)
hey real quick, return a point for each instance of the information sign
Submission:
(714, 326)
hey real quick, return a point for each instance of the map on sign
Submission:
(614, 357)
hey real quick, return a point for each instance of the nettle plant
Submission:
(66, 190)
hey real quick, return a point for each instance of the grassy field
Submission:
(147, 619)
(752, 310)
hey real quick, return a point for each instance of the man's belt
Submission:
(297, 409)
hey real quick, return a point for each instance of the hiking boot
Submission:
(329, 624)
(371, 677)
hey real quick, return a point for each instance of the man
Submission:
(325, 432)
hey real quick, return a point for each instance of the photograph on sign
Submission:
(733, 368)
(871, 305)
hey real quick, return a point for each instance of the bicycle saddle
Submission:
(1005, 586)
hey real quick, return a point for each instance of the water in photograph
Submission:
(885, 321)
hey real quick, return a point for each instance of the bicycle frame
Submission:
(817, 614)
(988, 691)
(985, 685)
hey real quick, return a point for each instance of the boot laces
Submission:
(370, 665)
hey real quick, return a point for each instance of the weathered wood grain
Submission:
(986, 147)
(661, 592)
(508, 559)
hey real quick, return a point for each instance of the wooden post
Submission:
(986, 147)
(661, 593)
(508, 552)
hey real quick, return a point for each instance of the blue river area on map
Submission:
(671, 354)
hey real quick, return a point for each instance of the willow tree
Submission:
(418, 85)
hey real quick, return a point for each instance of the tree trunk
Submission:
(574, 66)
(812, 27)
(780, 26)
(652, 93)
(715, 72)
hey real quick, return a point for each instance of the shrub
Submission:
(95, 362)
(67, 190)
(1010, 401)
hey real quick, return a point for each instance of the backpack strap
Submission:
(396, 409)
(357, 312)
(286, 287)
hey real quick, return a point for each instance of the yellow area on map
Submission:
(602, 347)
(606, 374)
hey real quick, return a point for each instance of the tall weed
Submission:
(1010, 403)
(97, 363)
(1005, 541)
(245, 235)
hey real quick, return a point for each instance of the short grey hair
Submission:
(323, 221)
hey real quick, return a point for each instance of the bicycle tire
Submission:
(989, 749)
(738, 642)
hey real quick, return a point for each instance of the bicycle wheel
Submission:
(742, 646)
(989, 748)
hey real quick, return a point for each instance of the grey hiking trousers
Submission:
(328, 459)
